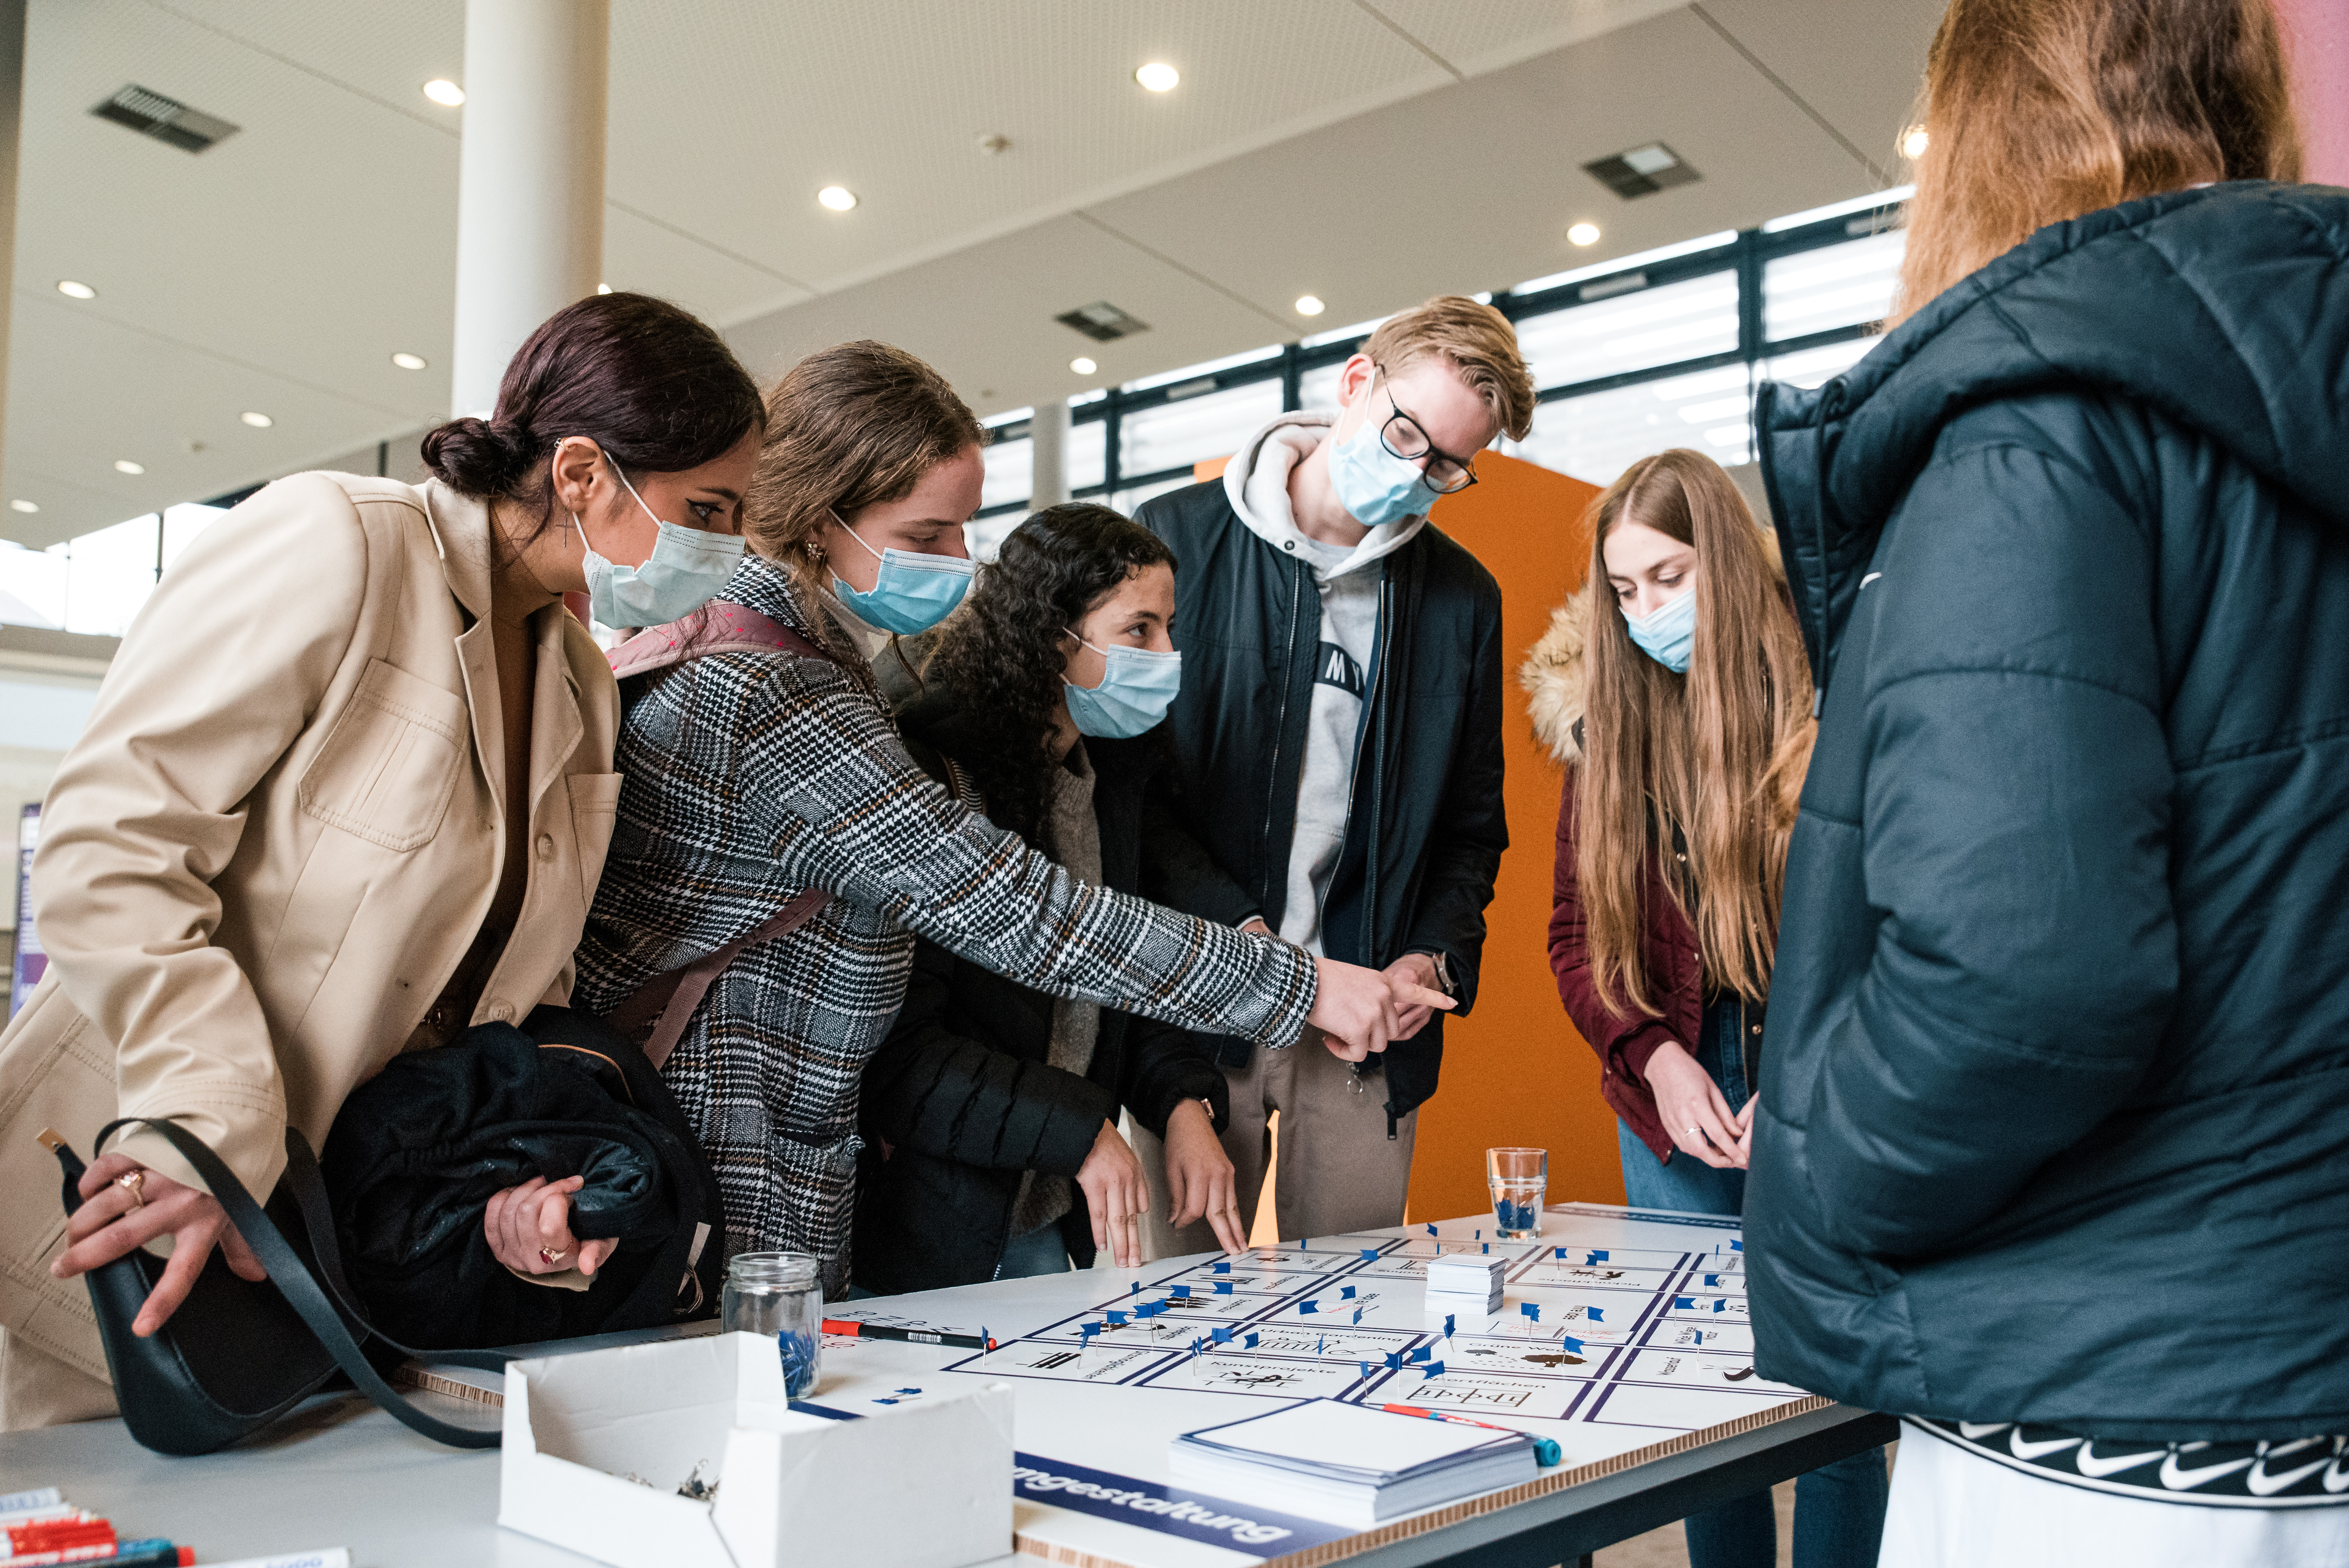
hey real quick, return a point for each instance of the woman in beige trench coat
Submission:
(346, 790)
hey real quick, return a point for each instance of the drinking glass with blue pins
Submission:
(1519, 1179)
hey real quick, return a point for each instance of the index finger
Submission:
(1411, 994)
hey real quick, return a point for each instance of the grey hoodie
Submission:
(1256, 482)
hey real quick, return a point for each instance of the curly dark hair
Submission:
(1000, 657)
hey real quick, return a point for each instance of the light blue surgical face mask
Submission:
(1667, 633)
(1136, 690)
(687, 569)
(1376, 487)
(913, 592)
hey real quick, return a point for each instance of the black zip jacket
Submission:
(2055, 1114)
(1425, 827)
(962, 1091)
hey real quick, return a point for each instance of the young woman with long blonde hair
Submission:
(2051, 1159)
(1670, 684)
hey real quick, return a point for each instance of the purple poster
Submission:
(30, 960)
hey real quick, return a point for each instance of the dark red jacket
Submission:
(1674, 966)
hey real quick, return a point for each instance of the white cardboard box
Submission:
(922, 1485)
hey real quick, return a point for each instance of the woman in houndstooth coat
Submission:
(751, 777)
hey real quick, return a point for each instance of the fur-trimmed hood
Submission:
(1552, 676)
(1552, 672)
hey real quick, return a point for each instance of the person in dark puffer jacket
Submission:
(2053, 1148)
(990, 1112)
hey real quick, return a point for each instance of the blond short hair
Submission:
(1476, 339)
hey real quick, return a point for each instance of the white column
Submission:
(12, 109)
(1050, 428)
(529, 193)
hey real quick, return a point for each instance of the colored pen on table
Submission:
(157, 1552)
(1546, 1449)
(854, 1329)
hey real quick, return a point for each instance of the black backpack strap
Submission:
(302, 1289)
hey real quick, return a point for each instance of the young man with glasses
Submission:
(1338, 738)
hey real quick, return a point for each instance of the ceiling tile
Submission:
(1472, 187)
(1861, 66)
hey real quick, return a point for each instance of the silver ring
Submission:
(1692, 1133)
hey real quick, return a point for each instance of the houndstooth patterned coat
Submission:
(750, 778)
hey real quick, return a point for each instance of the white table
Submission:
(343, 1473)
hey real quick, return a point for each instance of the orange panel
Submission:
(1209, 468)
(1516, 1072)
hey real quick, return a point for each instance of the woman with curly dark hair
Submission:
(991, 1113)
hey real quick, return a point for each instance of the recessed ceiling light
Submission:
(125, 465)
(1913, 144)
(1310, 304)
(603, 288)
(73, 290)
(21, 504)
(839, 198)
(1158, 76)
(408, 361)
(443, 91)
(1082, 366)
(1583, 234)
(258, 422)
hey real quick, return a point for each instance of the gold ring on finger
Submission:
(135, 1184)
(550, 1259)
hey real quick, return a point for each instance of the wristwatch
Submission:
(1443, 975)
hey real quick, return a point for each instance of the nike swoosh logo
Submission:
(2265, 1485)
(2023, 1450)
(2177, 1479)
(1976, 1431)
(2097, 1468)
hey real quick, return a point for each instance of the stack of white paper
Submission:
(1461, 1281)
(1349, 1463)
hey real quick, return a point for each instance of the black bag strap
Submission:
(302, 1289)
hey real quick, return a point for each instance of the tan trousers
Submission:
(1338, 1170)
(36, 1389)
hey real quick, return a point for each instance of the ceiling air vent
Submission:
(1642, 171)
(1102, 321)
(164, 118)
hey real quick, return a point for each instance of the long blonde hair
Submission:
(2040, 110)
(1693, 751)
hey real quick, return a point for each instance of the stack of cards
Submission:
(1463, 1282)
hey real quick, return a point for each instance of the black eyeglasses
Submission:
(1403, 435)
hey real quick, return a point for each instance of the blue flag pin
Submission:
(1222, 1287)
(1423, 1353)
(1737, 1246)
(1558, 1252)
(1713, 1279)
(1530, 1309)
(1117, 1320)
(1249, 1342)
(1394, 1360)
(1365, 1367)
(1569, 1344)
(1346, 1293)
(1310, 1308)
(1447, 1326)
(1224, 1267)
(1598, 1255)
(1433, 1369)
(1684, 1302)
(1221, 1335)
(1358, 1317)
(1182, 1291)
(1369, 1255)
(1596, 1315)
(1431, 1229)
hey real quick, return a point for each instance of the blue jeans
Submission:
(1838, 1508)
(1040, 1251)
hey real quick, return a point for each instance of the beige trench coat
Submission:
(270, 848)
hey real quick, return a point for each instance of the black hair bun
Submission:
(474, 457)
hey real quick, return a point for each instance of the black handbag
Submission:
(238, 1355)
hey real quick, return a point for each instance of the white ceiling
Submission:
(1371, 151)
